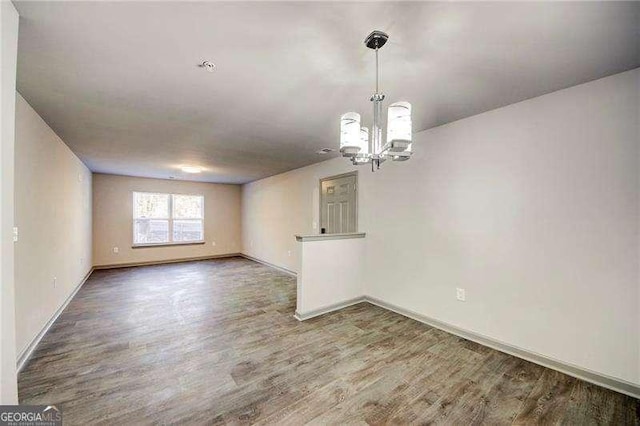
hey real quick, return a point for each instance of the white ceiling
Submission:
(119, 81)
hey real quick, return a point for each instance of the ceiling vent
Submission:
(324, 151)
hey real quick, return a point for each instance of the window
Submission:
(167, 218)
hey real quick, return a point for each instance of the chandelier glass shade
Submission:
(364, 147)
(350, 133)
(364, 140)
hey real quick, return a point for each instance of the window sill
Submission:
(186, 243)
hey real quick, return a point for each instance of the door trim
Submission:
(342, 175)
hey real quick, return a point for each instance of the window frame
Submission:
(170, 220)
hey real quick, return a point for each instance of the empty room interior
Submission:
(327, 212)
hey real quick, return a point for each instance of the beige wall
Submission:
(532, 208)
(53, 215)
(8, 58)
(276, 208)
(112, 219)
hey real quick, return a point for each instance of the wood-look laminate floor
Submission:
(215, 342)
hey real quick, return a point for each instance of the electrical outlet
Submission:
(315, 225)
(55, 282)
(251, 244)
(289, 253)
(460, 294)
(15, 234)
(116, 250)
(213, 243)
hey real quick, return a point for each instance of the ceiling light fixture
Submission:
(354, 140)
(191, 169)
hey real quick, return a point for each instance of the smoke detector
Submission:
(208, 65)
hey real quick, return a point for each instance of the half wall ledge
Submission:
(323, 237)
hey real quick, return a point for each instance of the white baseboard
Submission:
(165, 261)
(581, 373)
(264, 262)
(26, 353)
(327, 309)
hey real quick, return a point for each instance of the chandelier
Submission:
(354, 139)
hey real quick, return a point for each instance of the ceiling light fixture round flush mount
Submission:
(355, 142)
(191, 169)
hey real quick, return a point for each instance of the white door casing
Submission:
(338, 204)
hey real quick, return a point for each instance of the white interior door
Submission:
(338, 208)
